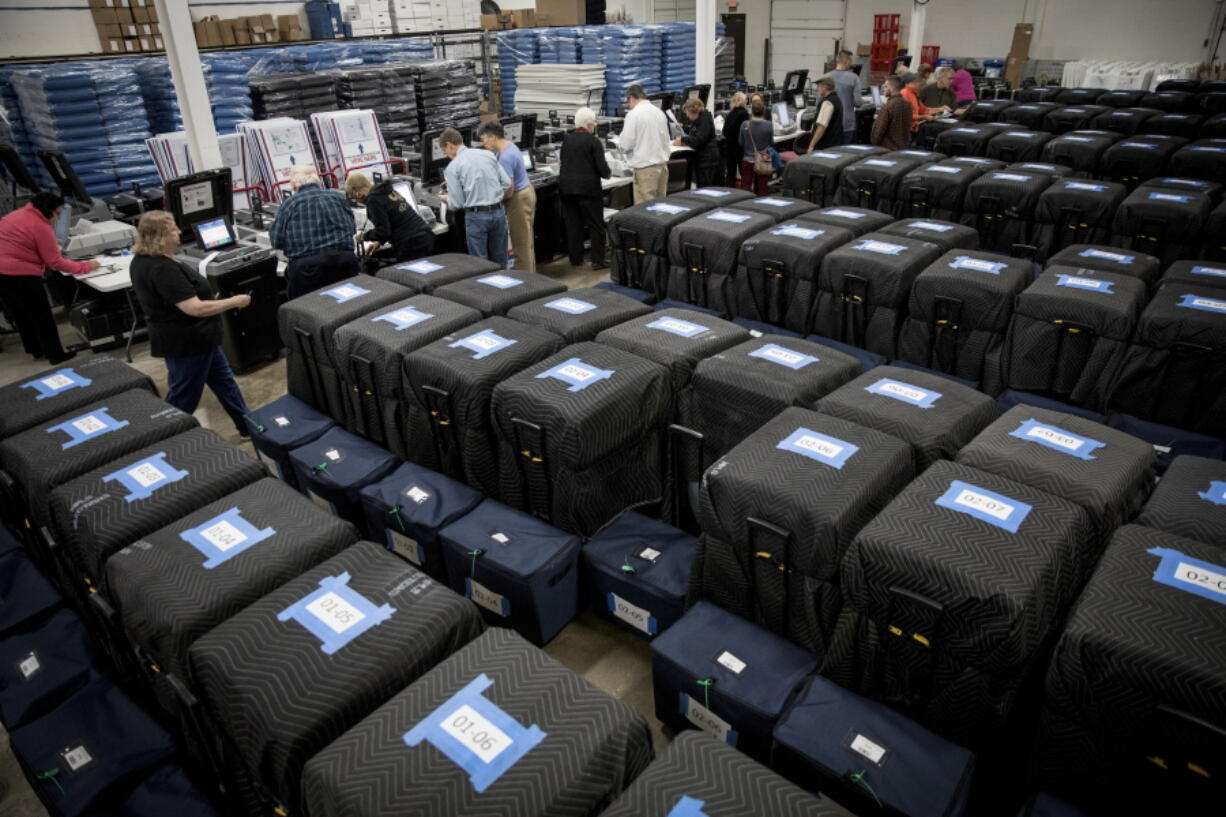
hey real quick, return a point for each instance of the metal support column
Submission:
(188, 77)
(915, 37)
(704, 46)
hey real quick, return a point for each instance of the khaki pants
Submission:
(521, 213)
(650, 183)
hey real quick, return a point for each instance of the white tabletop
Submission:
(616, 181)
(114, 276)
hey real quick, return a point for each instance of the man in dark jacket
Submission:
(393, 220)
(892, 128)
(700, 135)
(828, 127)
(736, 116)
(583, 165)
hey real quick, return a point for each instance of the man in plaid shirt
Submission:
(315, 229)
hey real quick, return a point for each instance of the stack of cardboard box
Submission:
(213, 31)
(1019, 52)
(126, 26)
(546, 13)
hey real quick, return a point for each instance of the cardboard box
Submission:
(124, 17)
(130, 31)
(104, 17)
(146, 43)
(112, 45)
(242, 36)
(1022, 35)
(131, 45)
(158, 44)
(227, 32)
(135, 4)
(523, 18)
(140, 14)
(562, 12)
(1013, 70)
(108, 31)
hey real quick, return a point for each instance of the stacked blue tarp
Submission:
(326, 56)
(13, 127)
(225, 78)
(378, 52)
(678, 68)
(94, 113)
(632, 56)
(558, 45)
(515, 48)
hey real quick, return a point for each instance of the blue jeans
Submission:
(190, 373)
(486, 234)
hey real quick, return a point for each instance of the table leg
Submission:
(135, 320)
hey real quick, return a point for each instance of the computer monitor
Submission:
(433, 158)
(662, 100)
(521, 130)
(876, 92)
(200, 197)
(214, 234)
(794, 81)
(702, 92)
(782, 114)
(798, 101)
(62, 225)
(528, 163)
(65, 178)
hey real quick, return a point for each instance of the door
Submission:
(674, 11)
(803, 35)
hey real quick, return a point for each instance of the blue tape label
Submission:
(975, 131)
(943, 169)
(224, 536)
(87, 427)
(144, 477)
(796, 231)
(1203, 304)
(336, 614)
(706, 191)
(1089, 284)
(576, 374)
(499, 281)
(1057, 439)
(665, 207)
(821, 155)
(678, 327)
(404, 318)
(733, 218)
(1077, 139)
(1026, 108)
(706, 720)
(858, 147)
(1191, 575)
(687, 807)
(1037, 166)
(1185, 182)
(838, 213)
(637, 617)
(422, 267)
(879, 163)
(1175, 197)
(1142, 145)
(816, 446)
(880, 247)
(1001, 511)
(923, 154)
(1215, 494)
(1011, 177)
(483, 343)
(571, 306)
(56, 383)
(1092, 188)
(977, 264)
(345, 292)
(1074, 110)
(1217, 272)
(783, 357)
(905, 392)
(969, 160)
(1119, 258)
(475, 734)
(931, 226)
(770, 202)
(1206, 149)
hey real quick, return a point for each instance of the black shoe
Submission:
(57, 360)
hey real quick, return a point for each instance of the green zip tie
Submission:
(321, 466)
(475, 554)
(628, 568)
(50, 774)
(258, 427)
(395, 512)
(705, 683)
(858, 777)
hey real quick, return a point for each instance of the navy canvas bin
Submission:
(637, 570)
(717, 672)
(43, 666)
(522, 572)
(864, 754)
(406, 510)
(1045, 805)
(1168, 442)
(165, 792)
(334, 468)
(281, 426)
(25, 594)
(89, 747)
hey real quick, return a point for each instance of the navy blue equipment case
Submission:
(42, 666)
(25, 594)
(333, 469)
(281, 426)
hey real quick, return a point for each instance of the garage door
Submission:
(803, 34)
(674, 11)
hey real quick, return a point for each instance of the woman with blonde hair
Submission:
(700, 135)
(182, 320)
(737, 115)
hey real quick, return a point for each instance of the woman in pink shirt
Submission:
(28, 248)
(962, 85)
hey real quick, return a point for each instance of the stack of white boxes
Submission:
(412, 16)
(367, 17)
(370, 17)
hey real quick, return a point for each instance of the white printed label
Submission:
(347, 291)
(338, 614)
(914, 395)
(57, 381)
(1011, 177)
(784, 356)
(486, 598)
(575, 372)
(476, 734)
(405, 546)
(882, 247)
(333, 455)
(146, 474)
(483, 342)
(650, 554)
(76, 758)
(706, 720)
(417, 495)
(978, 264)
(408, 317)
(1089, 283)
(734, 218)
(824, 448)
(843, 214)
(88, 425)
(499, 281)
(827, 155)
(501, 538)
(29, 665)
(223, 536)
(672, 325)
(1055, 438)
(1200, 577)
(774, 202)
(1208, 303)
(570, 305)
(633, 615)
(731, 662)
(281, 422)
(979, 502)
(867, 749)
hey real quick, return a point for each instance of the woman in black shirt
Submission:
(182, 319)
(700, 135)
(393, 220)
(582, 167)
(736, 117)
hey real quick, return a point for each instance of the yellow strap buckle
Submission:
(527, 453)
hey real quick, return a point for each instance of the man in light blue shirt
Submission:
(521, 206)
(477, 184)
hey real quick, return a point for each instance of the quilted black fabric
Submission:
(663, 344)
(873, 182)
(1108, 259)
(422, 278)
(779, 208)
(1190, 501)
(855, 219)
(720, 196)
(988, 110)
(945, 234)
(814, 177)
(1018, 146)
(57, 391)
(965, 140)
(1029, 114)
(1071, 117)
(580, 314)
(1081, 150)
(499, 291)
(276, 698)
(1184, 125)
(775, 281)
(586, 747)
(1203, 159)
(1166, 223)
(638, 240)
(703, 252)
(1001, 205)
(935, 191)
(1199, 274)
(1135, 160)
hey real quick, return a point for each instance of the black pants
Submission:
(415, 246)
(584, 213)
(308, 273)
(27, 306)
